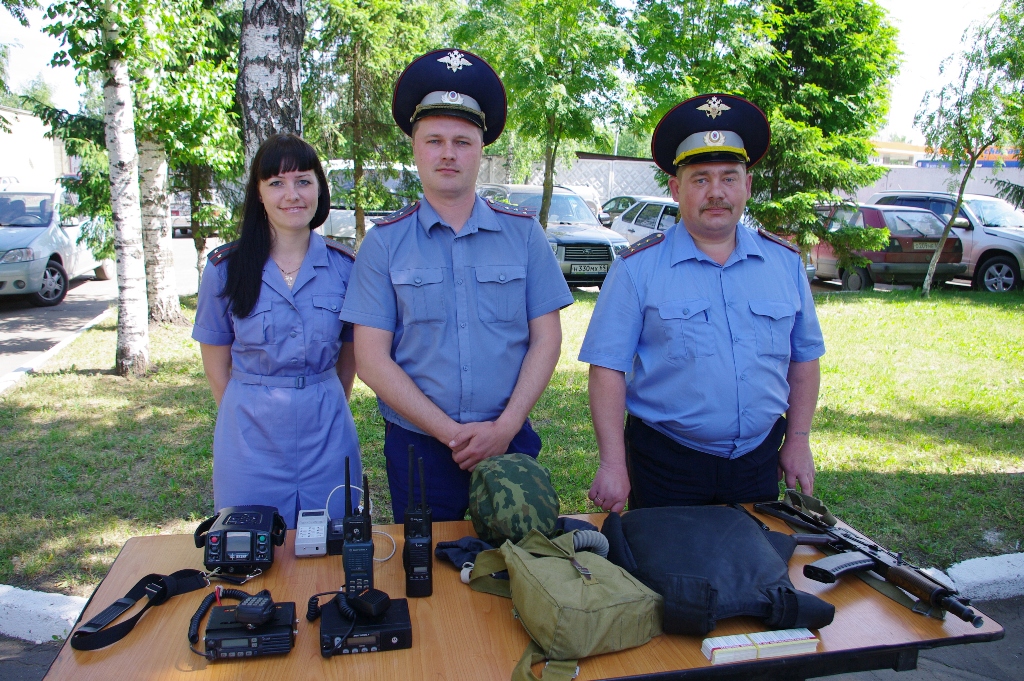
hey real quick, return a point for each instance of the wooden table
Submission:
(461, 634)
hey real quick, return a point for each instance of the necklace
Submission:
(289, 276)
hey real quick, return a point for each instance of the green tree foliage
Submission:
(685, 47)
(355, 51)
(980, 106)
(824, 84)
(559, 61)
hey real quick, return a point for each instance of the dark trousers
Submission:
(663, 472)
(447, 484)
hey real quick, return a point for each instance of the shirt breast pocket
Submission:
(257, 328)
(420, 295)
(687, 327)
(500, 293)
(327, 325)
(773, 325)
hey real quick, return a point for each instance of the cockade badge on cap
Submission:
(714, 107)
(714, 138)
(453, 97)
(455, 60)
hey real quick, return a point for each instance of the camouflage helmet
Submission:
(509, 495)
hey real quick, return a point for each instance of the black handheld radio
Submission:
(416, 558)
(357, 553)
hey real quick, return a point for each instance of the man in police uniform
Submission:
(705, 334)
(455, 300)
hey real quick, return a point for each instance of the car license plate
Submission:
(925, 245)
(588, 269)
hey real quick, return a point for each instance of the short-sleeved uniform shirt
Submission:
(276, 445)
(705, 347)
(458, 304)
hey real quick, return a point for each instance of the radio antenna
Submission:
(411, 500)
(348, 490)
(423, 488)
(364, 500)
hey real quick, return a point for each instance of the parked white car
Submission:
(648, 215)
(39, 252)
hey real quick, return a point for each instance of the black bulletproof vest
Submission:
(710, 563)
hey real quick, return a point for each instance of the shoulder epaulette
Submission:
(340, 248)
(777, 239)
(397, 215)
(648, 241)
(509, 209)
(219, 254)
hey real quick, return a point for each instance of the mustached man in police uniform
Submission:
(704, 334)
(455, 300)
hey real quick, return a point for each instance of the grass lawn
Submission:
(918, 436)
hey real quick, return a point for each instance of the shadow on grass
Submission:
(966, 430)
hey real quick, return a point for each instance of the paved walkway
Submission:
(997, 661)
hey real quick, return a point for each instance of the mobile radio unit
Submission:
(226, 638)
(240, 539)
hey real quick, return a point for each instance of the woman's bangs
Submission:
(289, 154)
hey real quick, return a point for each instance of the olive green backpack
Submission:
(572, 605)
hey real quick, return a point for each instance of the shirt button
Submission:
(686, 310)
(501, 277)
(417, 280)
(334, 306)
(294, 334)
(295, 361)
(463, 324)
(459, 282)
(465, 368)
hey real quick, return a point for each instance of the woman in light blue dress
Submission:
(278, 358)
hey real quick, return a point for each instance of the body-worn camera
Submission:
(240, 539)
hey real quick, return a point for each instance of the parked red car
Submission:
(914, 236)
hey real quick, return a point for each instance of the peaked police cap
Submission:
(450, 82)
(710, 128)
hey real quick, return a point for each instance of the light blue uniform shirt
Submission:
(458, 304)
(706, 347)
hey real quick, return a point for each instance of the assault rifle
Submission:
(856, 553)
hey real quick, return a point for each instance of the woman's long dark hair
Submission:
(281, 153)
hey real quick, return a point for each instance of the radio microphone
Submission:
(357, 552)
(416, 554)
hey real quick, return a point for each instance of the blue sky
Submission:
(930, 30)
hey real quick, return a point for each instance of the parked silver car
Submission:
(990, 229)
(584, 248)
(39, 252)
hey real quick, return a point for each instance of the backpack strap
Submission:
(159, 588)
(480, 578)
(554, 670)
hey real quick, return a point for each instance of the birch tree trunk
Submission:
(161, 284)
(132, 357)
(269, 77)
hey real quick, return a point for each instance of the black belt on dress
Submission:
(283, 381)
